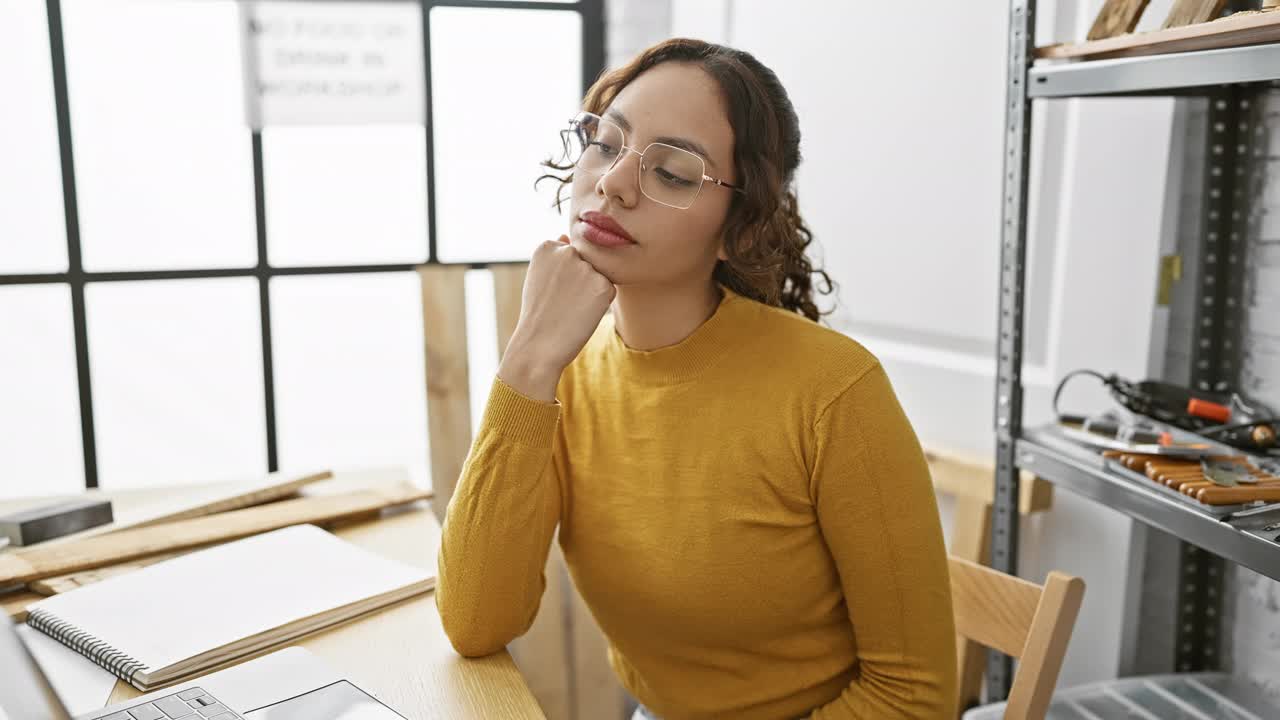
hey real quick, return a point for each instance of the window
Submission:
(32, 238)
(209, 301)
(495, 121)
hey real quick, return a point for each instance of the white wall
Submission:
(901, 109)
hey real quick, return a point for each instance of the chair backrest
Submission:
(1030, 622)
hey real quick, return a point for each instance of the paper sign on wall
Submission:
(326, 63)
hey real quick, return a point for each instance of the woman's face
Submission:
(672, 247)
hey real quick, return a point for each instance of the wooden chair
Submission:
(1030, 622)
(969, 482)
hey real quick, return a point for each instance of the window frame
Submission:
(593, 63)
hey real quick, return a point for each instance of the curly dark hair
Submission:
(765, 237)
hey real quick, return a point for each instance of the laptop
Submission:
(290, 684)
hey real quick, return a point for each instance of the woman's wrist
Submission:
(528, 374)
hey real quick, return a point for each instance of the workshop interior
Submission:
(352, 367)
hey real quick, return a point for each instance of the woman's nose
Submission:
(620, 181)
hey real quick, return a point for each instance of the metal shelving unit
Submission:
(1085, 473)
(1224, 76)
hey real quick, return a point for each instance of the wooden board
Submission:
(508, 291)
(1192, 12)
(64, 583)
(444, 331)
(321, 484)
(44, 561)
(968, 478)
(597, 691)
(542, 653)
(1243, 28)
(1117, 17)
(185, 503)
(14, 604)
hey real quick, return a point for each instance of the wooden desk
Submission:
(400, 653)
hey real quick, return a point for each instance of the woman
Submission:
(741, 501)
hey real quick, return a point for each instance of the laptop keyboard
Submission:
(191, 704)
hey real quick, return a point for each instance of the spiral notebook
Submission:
(181, 617)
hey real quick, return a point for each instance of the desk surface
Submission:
(400, 653)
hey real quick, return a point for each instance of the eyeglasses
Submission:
(669, 175)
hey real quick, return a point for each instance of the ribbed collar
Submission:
(691, 356)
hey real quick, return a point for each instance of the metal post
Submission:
(1013, 247)
(1215, 353)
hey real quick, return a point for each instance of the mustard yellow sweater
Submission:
(747, 513)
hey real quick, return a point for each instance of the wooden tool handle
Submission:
(39, 562)
(1190, 487)
(1173, 479)
(1241, 494)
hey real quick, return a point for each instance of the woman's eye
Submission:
(604, 148)
(673, 179)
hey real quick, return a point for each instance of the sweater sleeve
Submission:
(499, 524)
(877, 511)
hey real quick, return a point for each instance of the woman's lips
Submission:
(600, 229)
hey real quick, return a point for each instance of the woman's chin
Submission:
(599, 261)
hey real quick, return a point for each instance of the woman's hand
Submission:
(563, 301)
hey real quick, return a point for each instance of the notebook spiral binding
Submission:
(102, 654)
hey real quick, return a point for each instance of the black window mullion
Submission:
(428, 126)
(263, 273)
(593, 42)
(75, 268)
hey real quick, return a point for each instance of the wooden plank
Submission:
(64, 583)
(597, 691)
(542, 653)
(1117, 17)
(278, 486)
(1242, 28)
(444, 331)
(390, 477)
(14, 604)
(971, 532)
(1193, 12)
(183, 502)
(43, 561)
(962, 477)
(344, 482)
(508, 289)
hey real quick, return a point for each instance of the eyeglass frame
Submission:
(639, 183)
